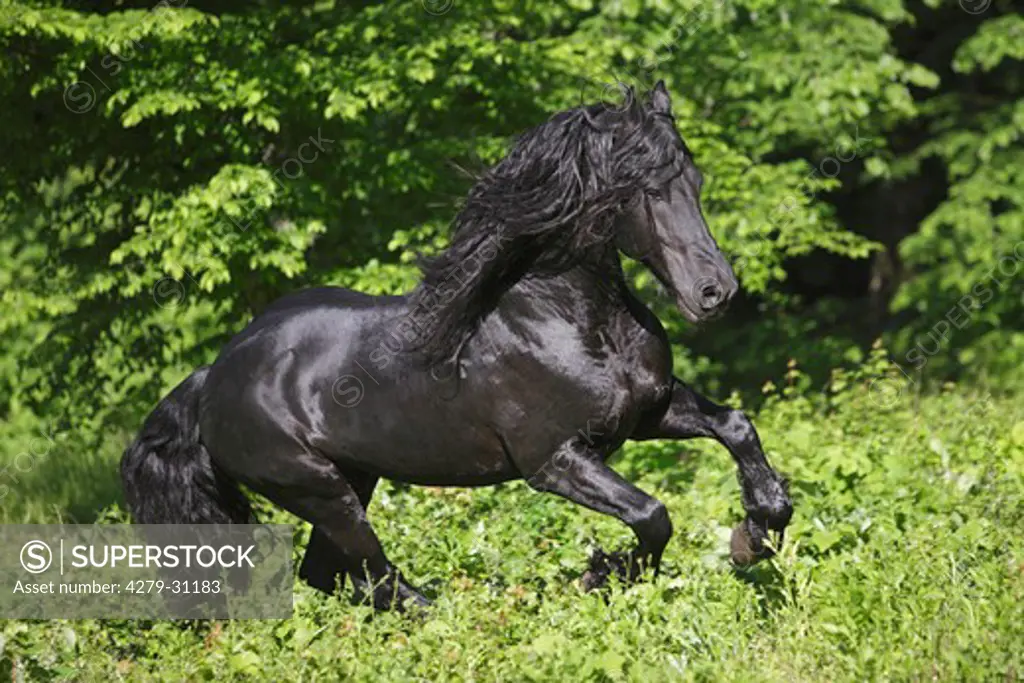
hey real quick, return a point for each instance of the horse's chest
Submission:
(641, 366)
(608, 383)
(564, 384)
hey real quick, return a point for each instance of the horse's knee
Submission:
(736, 427)
(653, 526)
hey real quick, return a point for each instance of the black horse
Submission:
(521, 355)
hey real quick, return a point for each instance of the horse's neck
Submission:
(586, 295)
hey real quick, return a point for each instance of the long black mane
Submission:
(549, 204)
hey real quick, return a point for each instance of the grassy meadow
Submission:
(904, 562)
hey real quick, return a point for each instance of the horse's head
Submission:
(663, 226)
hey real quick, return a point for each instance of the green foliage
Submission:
(969, 252)
(197, 164)
(904, 561)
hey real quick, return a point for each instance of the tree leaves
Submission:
(167, 151)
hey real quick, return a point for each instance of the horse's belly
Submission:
(444, 455)
(419, 430)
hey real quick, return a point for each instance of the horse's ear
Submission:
(660, 101)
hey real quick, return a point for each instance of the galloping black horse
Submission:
(522, 354)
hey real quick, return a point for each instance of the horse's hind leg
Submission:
(323, 565)
(343, 536)
(276, 464)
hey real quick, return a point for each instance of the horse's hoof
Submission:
(741, 546)
(400, 597)
(592, 580)
(603, 565)
(409, 598)
(597, 572)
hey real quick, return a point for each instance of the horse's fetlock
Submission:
(654, 525)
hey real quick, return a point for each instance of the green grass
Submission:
(904, 562)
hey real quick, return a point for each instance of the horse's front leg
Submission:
(765, 497)
(579, 473)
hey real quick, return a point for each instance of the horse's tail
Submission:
(167, 473)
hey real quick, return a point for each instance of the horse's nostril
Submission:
(710, 296)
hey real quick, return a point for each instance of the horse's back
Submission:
(334, 297)
(303, 312)
(273, 373)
